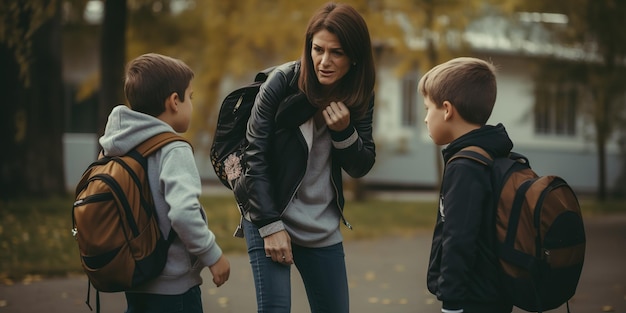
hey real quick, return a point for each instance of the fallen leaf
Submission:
(222, 301)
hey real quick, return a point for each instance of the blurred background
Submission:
(561, 79)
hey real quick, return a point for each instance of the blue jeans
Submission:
(323, 271)
(188, 302)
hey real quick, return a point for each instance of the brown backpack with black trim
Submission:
(539, 231)
(115, 223)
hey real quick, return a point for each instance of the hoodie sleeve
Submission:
(181, 186)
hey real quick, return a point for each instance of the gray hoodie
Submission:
(175, 185)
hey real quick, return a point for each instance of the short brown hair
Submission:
(151, 78)
(356, 88)
(469, 84)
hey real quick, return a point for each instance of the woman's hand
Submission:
(337, 116)
(278, 247)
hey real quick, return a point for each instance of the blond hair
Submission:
(469, 84)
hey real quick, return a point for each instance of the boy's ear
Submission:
(449, 109)
(171, 103)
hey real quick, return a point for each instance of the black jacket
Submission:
(463, 268)
(277, 153)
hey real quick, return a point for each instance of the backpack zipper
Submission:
(121, 197)
(100, 197)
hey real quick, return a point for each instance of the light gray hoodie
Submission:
(175, 185)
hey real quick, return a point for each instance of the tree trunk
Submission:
(10, 163)
(32, 164)
(600, 141)
(602, 134)
(112, 59)
(433, 59)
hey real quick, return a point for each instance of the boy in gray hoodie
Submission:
(158, 90)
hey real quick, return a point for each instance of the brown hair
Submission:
(356, 88)
(469, 84)
(151, 78)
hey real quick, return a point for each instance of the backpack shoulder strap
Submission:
(475, 153)
(155, 142)
(262, 75)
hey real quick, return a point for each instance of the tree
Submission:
(595, 28)
(424, 33)
(112, 59)
(33, 113)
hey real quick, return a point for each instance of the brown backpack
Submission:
(115, 223)
(539, 232)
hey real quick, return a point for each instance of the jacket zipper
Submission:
(345, 221)
(293, 193)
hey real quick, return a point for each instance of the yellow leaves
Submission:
(384, 284)
(17, 35)
(35, 240)
(387, 301)
(222, 301)
(29, 279)
(5, 280)
(87, 87)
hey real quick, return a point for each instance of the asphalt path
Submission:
(385, 276)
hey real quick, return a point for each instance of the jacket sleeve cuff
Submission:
(212, 256)
(344, 138)
(271, 228)
(451, 307)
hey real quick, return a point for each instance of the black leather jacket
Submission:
(276, 156)
(463, 269)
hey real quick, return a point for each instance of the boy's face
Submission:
(185, 107)
(436, 122)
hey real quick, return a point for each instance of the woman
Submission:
(311, 120)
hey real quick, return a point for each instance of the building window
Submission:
(409, 100)
(556, 110)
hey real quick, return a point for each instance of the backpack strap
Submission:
(475, 153)
(155, 143)
(150, 146)
(262, 75)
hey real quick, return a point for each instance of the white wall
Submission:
(79, 150)
(407, 156)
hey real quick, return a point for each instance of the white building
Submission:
(560, 144)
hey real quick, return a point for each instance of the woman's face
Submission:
(329, 60)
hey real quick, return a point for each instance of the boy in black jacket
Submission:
(459, 96)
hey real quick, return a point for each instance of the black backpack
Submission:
(539, 232)
(229, 141)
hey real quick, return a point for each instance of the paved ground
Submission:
(386, 276)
